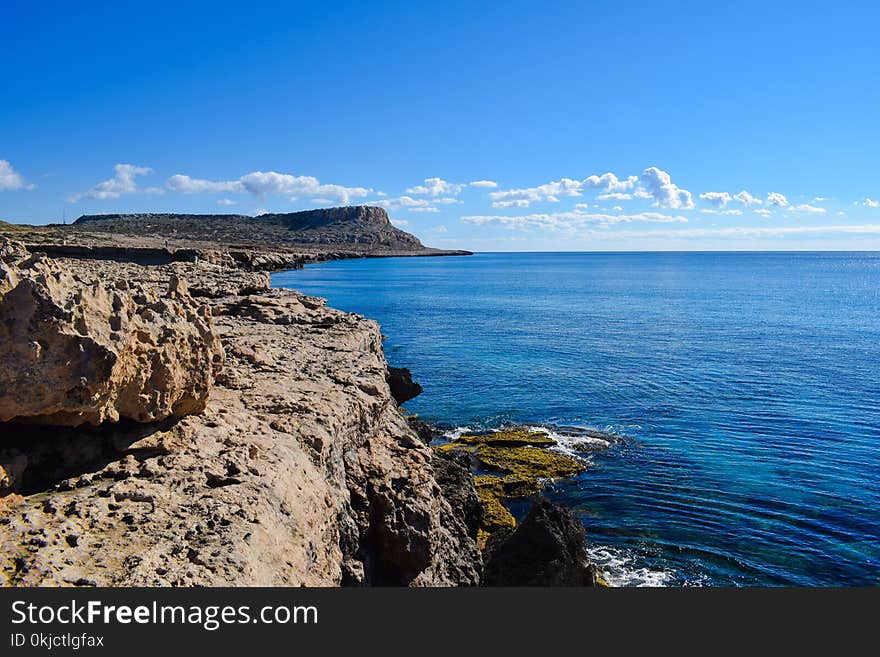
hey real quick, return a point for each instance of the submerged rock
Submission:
(522, 462)
(82, 354)
(515, 437)
(547, 549)
(529, 463)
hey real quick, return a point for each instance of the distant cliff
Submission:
(354, 228)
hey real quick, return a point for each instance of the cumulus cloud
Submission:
(225, 201)
(435, 187)
(871, 203)
(718, 199)
(264, 183)
(568, 221)
(608, 183)
(665, 193)
(746, 199)
(525, 196)
(490, 184)
(400, 223)
(186, 185)
(10, 179)
(122, 183)
(440, 229)
(775, 199)
(654, 184)
(764, 212)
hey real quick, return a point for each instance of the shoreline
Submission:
(298, 467)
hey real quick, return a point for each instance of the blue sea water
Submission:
(745, 388)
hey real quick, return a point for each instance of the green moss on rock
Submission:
(508, 438)
(529, 463)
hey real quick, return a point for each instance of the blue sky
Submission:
(244, 107)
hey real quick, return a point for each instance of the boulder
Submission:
(403, 388)
(547, 549)
(84, 353)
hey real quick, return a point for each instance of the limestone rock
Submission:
(299, 471)
(76, 353)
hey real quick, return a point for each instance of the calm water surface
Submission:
(745, 389)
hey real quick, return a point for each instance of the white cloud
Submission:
(820, 199)
(653, 184)
(490, 184)
(435, 187)
(665, 193)
(320, 201)
(400, 222)
(414, 204)
(718, 199)
(10, 179)
(258, 212)
(610, 183)
(568, 221)
(775, 199)
(871, 203)
(440, 229)
(225, 201)
(523, 197)
(122, 183)
(617, 208)
(263, 183)
(812, 209)
(764, 212)
(731, 212)
(746, 199)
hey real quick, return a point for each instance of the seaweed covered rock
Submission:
(77, 353)
(547, 549)
(510, 437)
(529, 463)
(519, 463)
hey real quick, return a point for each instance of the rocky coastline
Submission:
(175, 421)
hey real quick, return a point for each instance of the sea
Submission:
(742, 392)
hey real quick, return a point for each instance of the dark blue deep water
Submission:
(745, 389)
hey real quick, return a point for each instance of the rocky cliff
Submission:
(361, 230)
(297, 468)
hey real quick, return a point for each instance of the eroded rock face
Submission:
(78, 353)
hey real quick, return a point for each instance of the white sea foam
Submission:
(572, 443)
(452, 434)
(618, 568)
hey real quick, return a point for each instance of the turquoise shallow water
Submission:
(745, 389)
